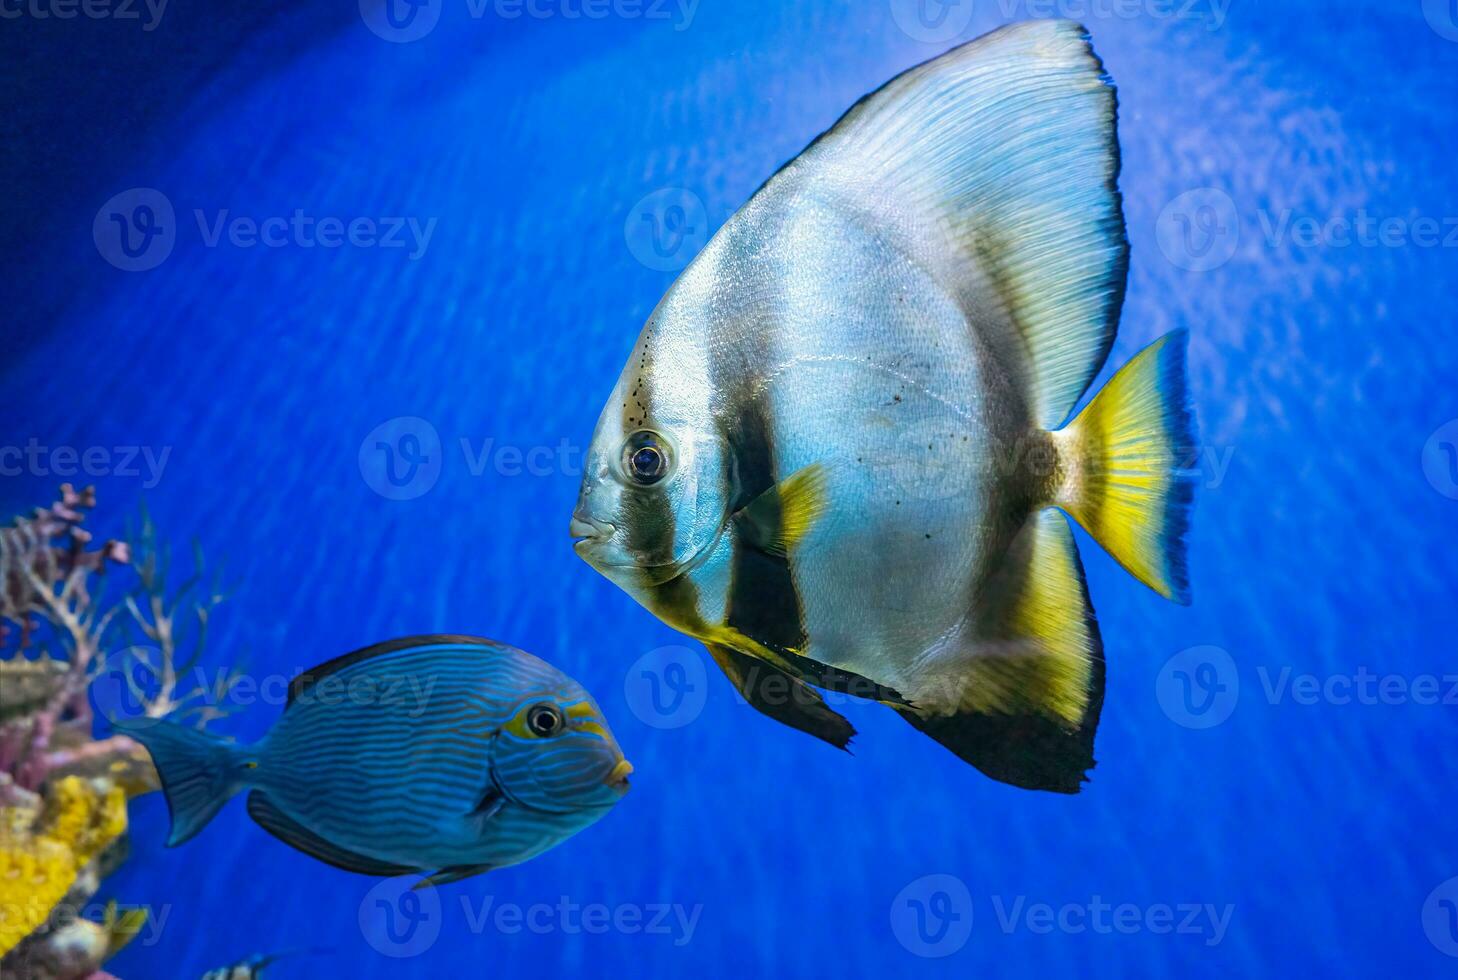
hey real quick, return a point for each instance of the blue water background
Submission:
(1319, 373)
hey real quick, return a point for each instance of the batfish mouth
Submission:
(588, 531)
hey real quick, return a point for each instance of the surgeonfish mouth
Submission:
(618, 778)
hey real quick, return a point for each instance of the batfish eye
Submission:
(645, 458)
(544, 720)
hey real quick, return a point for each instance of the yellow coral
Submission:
(39, 862)
(35, 874)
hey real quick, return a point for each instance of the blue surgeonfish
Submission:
(437, 755)
(845, 441)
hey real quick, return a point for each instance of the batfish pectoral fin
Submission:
(782, 696)
(779, 517)
(1023, 704)
(294, 834)
(447, 875)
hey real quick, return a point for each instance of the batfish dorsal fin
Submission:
(313, 675)
(1032, 686)
(1009, 146)
(294, 834)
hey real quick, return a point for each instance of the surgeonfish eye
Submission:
(645, 458)
(545, 720)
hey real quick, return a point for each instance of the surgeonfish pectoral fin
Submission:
(1006, 148)
(294, 834)
(1023, 704)
(782, 696)
(777, 519)
(491, 803)
(1125, 479)
(447, 875)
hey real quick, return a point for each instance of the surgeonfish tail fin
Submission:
(199, 772)
(1122, 474)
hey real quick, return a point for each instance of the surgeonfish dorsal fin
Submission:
(1028, 697)
(297, 836)
(1009, 143)
(314, 675)
(776, 520)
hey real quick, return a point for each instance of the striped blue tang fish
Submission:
(446, 755)
(839, 449)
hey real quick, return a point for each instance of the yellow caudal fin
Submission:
(1121, 465)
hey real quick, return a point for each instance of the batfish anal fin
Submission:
(294, 834)
(776, 520)
(782, 696)
(1023, 704)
